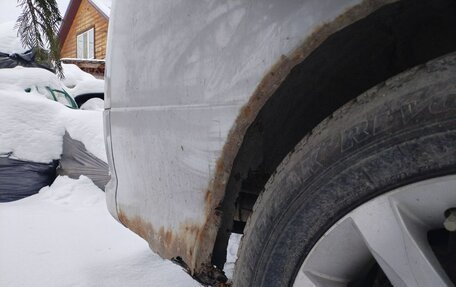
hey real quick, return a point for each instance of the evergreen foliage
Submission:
(38, 27)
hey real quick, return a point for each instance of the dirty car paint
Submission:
(185, 80)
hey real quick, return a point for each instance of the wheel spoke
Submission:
(397, 240)
(312, 279)
(340, 245)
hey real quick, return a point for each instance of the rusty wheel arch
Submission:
(366, 45)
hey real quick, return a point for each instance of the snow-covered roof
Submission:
(103, 5)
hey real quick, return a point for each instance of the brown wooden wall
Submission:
(86, 17)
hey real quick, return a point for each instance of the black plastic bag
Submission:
(26, 59)
(19, 179)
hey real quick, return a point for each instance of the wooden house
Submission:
(83, 34)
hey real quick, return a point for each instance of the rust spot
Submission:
(246, 111)
(165, 237)
(137, 225)
(167, 243)
(208, 197)
(191, 229)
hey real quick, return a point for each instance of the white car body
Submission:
(184, 81)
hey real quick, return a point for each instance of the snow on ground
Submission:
(64, 236)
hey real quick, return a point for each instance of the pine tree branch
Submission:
(38, 27)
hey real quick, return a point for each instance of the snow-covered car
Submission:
(74, 90)
(35, 80)
(324, 131)
(40, 128)
(83, 86)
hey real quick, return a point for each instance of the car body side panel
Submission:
(184, 81)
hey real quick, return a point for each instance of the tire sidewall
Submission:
(399, 132)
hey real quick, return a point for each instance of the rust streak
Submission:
(165, 242)
(137, 225)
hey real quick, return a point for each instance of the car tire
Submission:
(397, 133)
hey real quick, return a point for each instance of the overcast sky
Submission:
(9, 10)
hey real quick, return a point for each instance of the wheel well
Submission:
(389, 41)
(81, 99)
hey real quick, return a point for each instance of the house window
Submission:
(85, 45)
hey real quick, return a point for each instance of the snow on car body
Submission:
(185, 82)
(36, 111)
